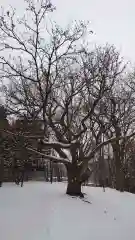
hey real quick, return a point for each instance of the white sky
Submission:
(112, 21)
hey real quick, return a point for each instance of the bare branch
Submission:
(51, 158)
(92, 153)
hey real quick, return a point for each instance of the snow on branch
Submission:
(40, 138)
(51, 158)
(22, 135)
(58, 144)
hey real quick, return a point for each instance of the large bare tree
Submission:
(53, 77)
(73, 106)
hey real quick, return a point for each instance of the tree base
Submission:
(120, 189)
(74, 190)
(80, 195)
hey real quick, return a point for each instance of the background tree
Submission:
(3, 125)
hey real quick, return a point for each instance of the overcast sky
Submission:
(112, 21)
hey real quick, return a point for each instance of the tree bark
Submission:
(119, 167)
(74, 181)
(74, 189)
(1, 172)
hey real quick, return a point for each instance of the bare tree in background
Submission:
(120, 117)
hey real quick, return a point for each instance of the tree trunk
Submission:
(74, 189)
(119, 180)
(118, 165)
(1, 172)
(51, 172)
(74, 181)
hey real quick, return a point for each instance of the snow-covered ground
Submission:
(41, 211)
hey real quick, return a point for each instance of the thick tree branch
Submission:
(51, 158)
(95, 150)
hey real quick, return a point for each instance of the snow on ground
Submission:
(41, 211)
